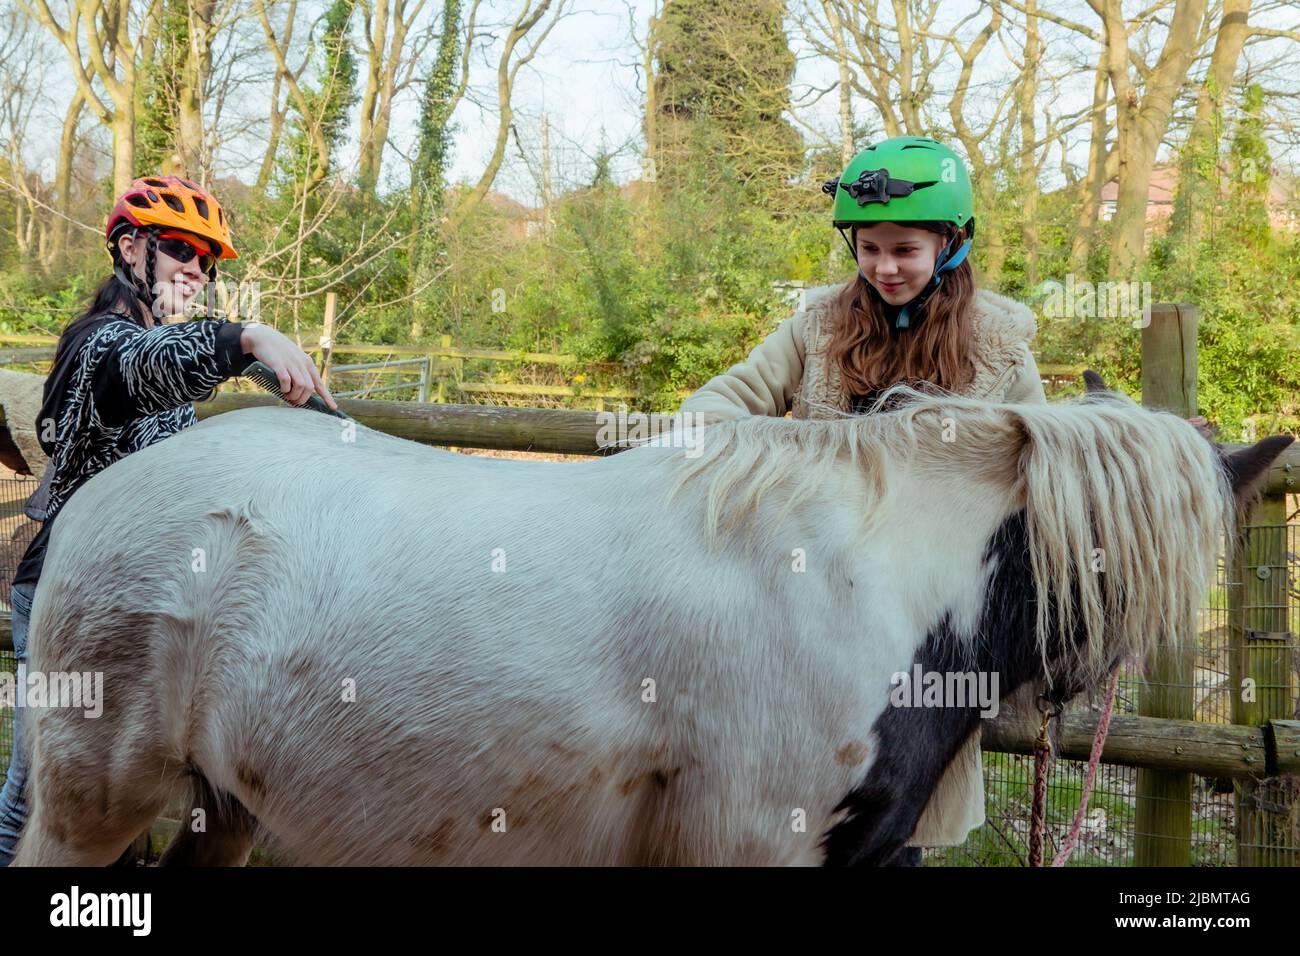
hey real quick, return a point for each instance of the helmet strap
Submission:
(844, 234)
(126, 275)
(950, 259)
(210, 292)
(947, 261)
(131, 282)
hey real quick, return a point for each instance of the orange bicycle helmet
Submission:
(172, 203)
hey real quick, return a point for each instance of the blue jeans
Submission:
(13, 799)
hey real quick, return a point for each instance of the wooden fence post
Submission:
(443, 364)
(1163, 819)
(327, 337)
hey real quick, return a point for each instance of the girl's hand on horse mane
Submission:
(1204, 427)
(291, 365)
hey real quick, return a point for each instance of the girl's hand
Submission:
(291, 365)
(1201, 425)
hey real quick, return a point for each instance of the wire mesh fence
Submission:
(1110, 829)
(16, 531)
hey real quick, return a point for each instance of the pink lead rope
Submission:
(1042, 762)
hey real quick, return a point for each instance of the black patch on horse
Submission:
(916, 744)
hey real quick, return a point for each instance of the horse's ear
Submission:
(1248, 467)
(1093, 382)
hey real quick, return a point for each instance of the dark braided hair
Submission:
(210, 291)
(125, 276)
(150, 263)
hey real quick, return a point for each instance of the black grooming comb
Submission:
(267, 380)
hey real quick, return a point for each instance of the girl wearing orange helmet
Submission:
(122, 381)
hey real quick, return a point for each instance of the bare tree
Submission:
(21, 62)
(1103, 163)
(835, 28)
(508, 66)
(900, 61)
(114, 49)
(206, 20)
(1026, 97)
(1142, 114)
(389, 69)
(889, 61)
(63, 175)
(648, 52)
(288, 78)
(1199, 177)
(974, 138)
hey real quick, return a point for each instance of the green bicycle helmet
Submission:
(906, 179)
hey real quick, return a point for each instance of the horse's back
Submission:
(417, 640)
(296, 583)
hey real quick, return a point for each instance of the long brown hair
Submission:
(934, 351)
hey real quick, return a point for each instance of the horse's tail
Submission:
(217, 830)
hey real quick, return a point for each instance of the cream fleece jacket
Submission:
(776, 375)
(789, 371)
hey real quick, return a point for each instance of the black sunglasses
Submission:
(183, 251)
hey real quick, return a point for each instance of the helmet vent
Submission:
(201, 206)
(189, 185)
(135, 199)
(917, 146)
(157, 182)
(173, 203)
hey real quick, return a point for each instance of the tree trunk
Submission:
(908, 103)
(1142, 125)
(63, 177)
(107, 54)
(311, 123)
(650, 171)
(273, 139)
(20, 225)
(1136, 160)
(123, 127)
(428, 174)
(983, 174)
(995, 247)
(506, 73)
(1198, 181)
(845, 83)
(278, 112)
(376, 31)
(1028, 139)
(1085, 227)
(190, 138)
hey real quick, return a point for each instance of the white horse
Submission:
(375, 652)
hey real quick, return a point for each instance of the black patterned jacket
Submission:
(117, 387)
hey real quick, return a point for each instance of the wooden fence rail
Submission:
(443, 366)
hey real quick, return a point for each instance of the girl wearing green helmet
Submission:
(911, 314)
(887, 196)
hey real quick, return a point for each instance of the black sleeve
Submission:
(137, 372)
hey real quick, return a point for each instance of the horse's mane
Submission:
(1097, 472)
